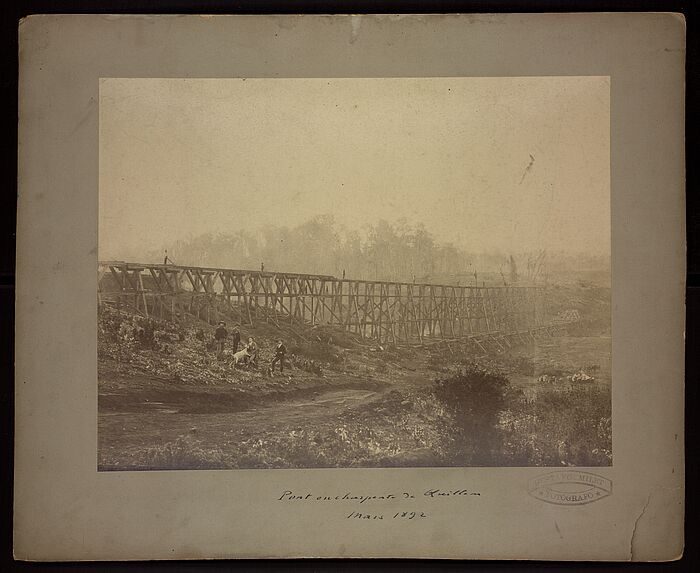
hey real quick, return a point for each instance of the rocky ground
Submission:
(167, 402)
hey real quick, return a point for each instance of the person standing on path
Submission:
(252, 349)
(235, 338)
(280, 352)
(220, 336)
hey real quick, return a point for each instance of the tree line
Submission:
(388, 251)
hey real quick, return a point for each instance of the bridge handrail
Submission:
(301, 275)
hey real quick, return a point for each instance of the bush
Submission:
(492, 423)
(560, 427)
(474, 398)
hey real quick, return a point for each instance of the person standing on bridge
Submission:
(280, 352)
(220, 336)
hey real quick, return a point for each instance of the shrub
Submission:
(474, 398)
(560, 427)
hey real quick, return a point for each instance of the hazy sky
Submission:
(487, 163)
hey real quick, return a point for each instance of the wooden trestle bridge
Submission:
(393, 312)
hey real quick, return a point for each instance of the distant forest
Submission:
(386, 251)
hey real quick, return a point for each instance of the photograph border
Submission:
(53, 294)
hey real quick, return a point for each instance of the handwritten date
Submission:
(399, 515)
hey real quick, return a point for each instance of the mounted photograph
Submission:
(354, 272)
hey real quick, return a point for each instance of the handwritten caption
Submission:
(367, 512)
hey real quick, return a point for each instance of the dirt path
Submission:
(145, 421)
(161, 422)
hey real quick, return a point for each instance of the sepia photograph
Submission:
(354, 273)
(374, 272)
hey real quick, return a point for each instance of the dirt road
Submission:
(140, 416)
(159, 421)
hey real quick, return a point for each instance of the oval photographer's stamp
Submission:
(569, 487)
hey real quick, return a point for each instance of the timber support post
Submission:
(388, 312)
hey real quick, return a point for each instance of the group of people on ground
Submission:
(220, 336)
(251, 347)
(143, 332)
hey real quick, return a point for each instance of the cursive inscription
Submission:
(398, 515)
(291, 496)
(392, 499)
(449, 492)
